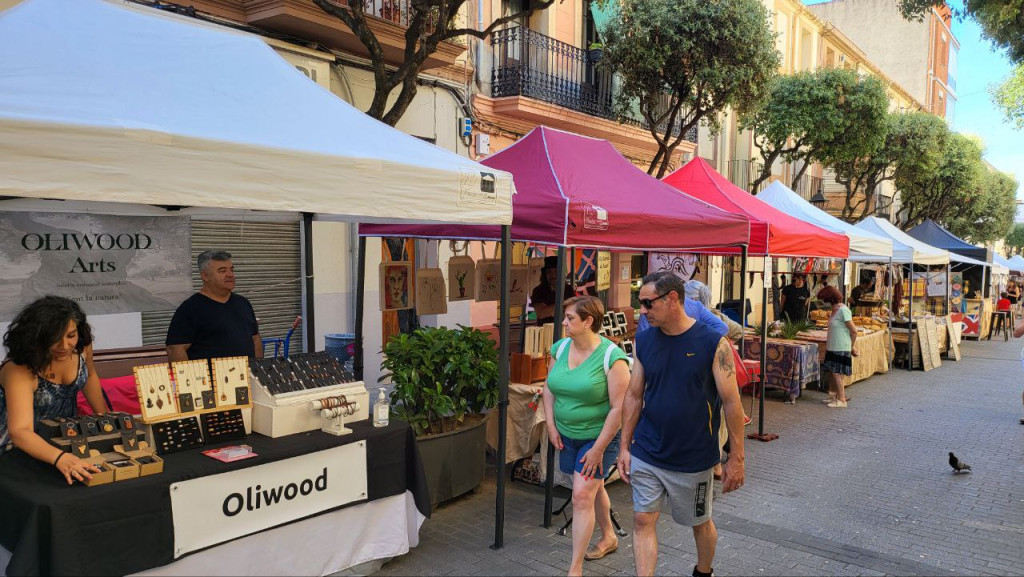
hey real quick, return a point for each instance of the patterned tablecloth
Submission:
(790, 365)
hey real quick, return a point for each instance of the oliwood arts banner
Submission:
(106, 263)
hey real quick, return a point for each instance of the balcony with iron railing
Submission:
(528, 63)
(743, 172)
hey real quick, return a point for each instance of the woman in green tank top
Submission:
(583, 401)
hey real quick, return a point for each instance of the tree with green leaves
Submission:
(1009, 96)
(682, 62)
(1001, 20)
(811, 116)
(989, 215)
(910, 148)
(1015, 240)
(946, 191)
(429, 23)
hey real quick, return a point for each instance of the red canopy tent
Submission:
(576, 191)
(772, 232)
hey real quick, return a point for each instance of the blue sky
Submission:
(979, 66)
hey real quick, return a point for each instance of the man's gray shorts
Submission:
(689, 494)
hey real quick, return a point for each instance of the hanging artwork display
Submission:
(517, 284)
(488, 279)
(430, 292)
(956, 294)
(461, 278)
(395, 285)
(604, 271)
(536, 265)
(683, 265)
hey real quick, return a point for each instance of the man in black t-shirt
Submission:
(859, 291)
(793, 302)
(543, 296)
(215, 322)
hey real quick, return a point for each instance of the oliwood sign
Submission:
(218, 508)
(106, 263)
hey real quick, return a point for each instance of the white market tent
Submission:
(1016, 264)
(1005, 262)
(905, 248)
(121, 103)
(865, 246)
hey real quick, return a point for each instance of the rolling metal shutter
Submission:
(268, 270)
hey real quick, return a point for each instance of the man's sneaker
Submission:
(837, 404)
(699, 574)
(830, 399)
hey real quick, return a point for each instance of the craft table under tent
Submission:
(971, 266)
(865, 248)
(79, 123)
(773, 233)
(911, 252)
(572, 192)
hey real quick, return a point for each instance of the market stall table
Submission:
(791, 365)
(49, 528)
(874, 352)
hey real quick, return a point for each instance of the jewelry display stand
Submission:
(333, 411)
(284, 390)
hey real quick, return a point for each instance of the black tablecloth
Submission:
(125, 527)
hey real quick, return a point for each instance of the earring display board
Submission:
(488, 279)
(155, 388)
(231, 375)
(195, 389)
(461, 278)
(430, 292)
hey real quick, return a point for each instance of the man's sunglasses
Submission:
(648, 303)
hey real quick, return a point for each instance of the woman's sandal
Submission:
(594, 554)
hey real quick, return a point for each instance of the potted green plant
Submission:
(595, 52)
(444, 380)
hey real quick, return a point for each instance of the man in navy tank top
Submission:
(683, 374)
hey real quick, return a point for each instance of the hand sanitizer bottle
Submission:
(381, 410)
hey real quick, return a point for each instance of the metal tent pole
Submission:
(910, 333)
(549, 482)
(760, 435)
(743, 300)
(503, 374)
(357, 362)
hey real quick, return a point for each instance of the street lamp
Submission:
(818, 200)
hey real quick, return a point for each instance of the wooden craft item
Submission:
(461, 278)
(231, 379)
(933, 329)
(488, 279)
(396, 288)
(518, 284)
(430, 292)
(954, 344)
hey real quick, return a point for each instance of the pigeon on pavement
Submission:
(958, 465)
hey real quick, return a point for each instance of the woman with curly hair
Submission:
(840, 347)
(49, 359)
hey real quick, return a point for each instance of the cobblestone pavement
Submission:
(861, 491)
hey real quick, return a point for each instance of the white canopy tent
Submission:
(1005, 262)
(865, 246)
(1016, 264)
(905, 248)
(121, 103)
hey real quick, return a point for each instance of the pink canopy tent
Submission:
(576, 191)
(772, 232)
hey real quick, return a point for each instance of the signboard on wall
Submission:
(604, 271)
(684, 265)
(106, 263)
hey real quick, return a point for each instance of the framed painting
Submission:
(517, 284)
(461, 278)
(395, 285)
(430, 292)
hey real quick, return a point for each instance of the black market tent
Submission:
(930, 232)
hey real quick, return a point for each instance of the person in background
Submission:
(587, 380)
(1013, 292)
(793, 301)
(698, 291)
(49, 359)
(683, 371)
(215, 322)
(858, 292)
(1003, 304)
(840, 347)
(543, 296)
